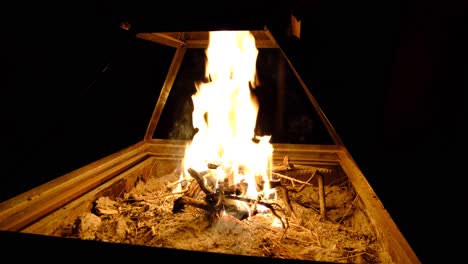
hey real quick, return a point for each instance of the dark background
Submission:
(390, 75)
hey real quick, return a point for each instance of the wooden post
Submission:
(321, 189)
(171, 76)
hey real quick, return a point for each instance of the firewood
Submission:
(193, 190)
(321, 189)
(215, 202)
(199, 180)
(181, 202)
(274, 207)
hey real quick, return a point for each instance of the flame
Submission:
(225, 114)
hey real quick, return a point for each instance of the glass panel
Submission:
(123, 96)
(285, 112)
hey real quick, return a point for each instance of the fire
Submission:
(225, 115)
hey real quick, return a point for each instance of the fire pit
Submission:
(290, 227)
(223, 180)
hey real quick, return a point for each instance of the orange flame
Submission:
(225, 114)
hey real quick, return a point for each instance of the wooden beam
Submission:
(48, 225)
(166, 89)
(30, 206)
(331, 130)
(321, 191)
(203, 44)
(161, 38)
(200, 40)
(386, 229)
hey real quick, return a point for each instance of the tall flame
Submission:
(225, 114)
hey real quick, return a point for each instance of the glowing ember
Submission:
(225, 114)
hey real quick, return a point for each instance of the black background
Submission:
(390, 76)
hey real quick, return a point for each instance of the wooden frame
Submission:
(39, 210)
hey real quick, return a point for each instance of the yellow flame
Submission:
(225, 114)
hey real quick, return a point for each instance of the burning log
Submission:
(200, 182)
(181, 202)
(216, 202)
(220, 201)
(274, 207)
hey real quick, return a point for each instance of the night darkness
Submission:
(390, 76)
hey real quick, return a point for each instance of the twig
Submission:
(310, 178)
(290, 178)
(267, 205)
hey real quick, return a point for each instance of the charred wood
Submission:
(181, 202)
(199, 180)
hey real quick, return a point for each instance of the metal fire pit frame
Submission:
(41, 209)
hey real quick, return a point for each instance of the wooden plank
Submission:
(166, 89)
(27, 208)
(200, 39)
(68, 213)
(297, 153)
(307, 147)
(161, 38)
(173, 148)
(203, 44)
(386, 229)
(306, 154)
(17, 202)
(179, 145)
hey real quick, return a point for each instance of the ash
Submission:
(145, 216)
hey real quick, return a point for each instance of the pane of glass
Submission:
(285, 111)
